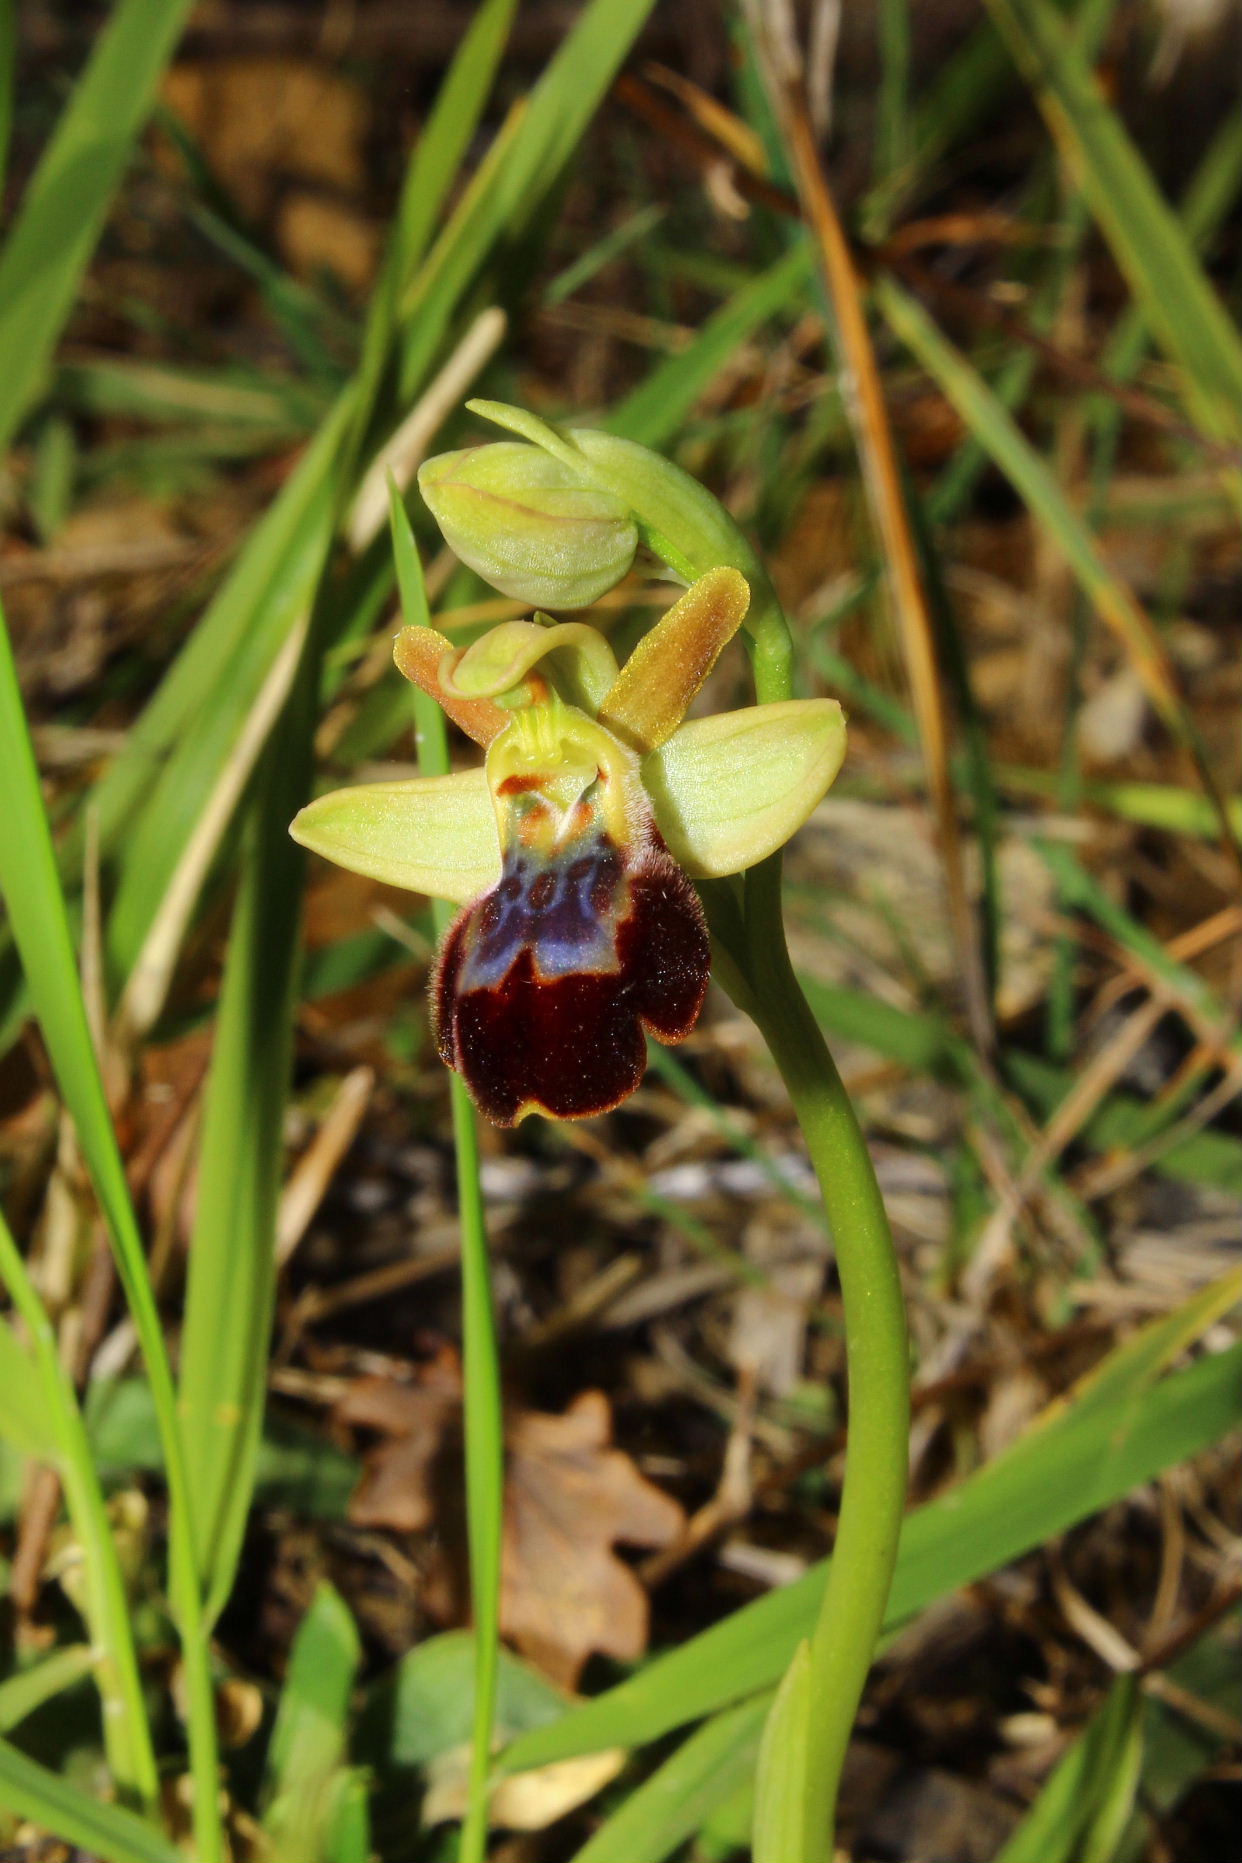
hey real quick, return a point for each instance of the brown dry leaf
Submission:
(570, 1498)
(417, 1420)
(526, 1801)
(315, 232)
(263, 121)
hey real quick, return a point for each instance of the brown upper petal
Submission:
(418, 652)
(669, 664)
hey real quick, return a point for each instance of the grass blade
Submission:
(67, 201)
(502, 205)
(1096, 1778)
(309, 1739)
(22, 1693)
(656, 409)
(430, 174)
(232, 1275)
(484, 1422)
(127, 1734)
(1012, 452)
(104, 1831)
(40, 926)
(780, 1832)
(1149, 244)
(681, 1795)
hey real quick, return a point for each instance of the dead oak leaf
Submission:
(570, 1499)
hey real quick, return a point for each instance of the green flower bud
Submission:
(530, 525)
(556, 522)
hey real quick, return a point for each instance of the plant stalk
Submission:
(873, 1496)
(757, 970)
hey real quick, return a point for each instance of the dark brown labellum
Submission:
(545, 985)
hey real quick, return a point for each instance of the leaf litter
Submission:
(571, 1499)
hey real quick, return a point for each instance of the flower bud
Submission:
(529, 525)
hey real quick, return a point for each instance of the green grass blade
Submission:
(25, 1420)
(1123, 1122)
(40, 926)
(29, 1790)
(1077, 1465)
(36, 910)
(127, 1734)
(1091, 1786)
(893, 122)
(1182, 310)
(781, 1780)
(1175, 1749)
(1120, 1379)
(528, 159)
(429, 176)
(64, 208)
(657, 408)
(1082, 892)
(484, 1422)
(966, 390)
(232, 1275)
(962, 93)
(309, 1739)
(162, 395)
(617, 240)
(1207, 201)
(347, 1828)
(22, 1693)
(681, 1795)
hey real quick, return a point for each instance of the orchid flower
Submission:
(572, 849)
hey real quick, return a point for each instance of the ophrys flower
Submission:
(570, 849)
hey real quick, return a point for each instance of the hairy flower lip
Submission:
(571, 1045)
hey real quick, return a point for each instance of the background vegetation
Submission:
(255, 255)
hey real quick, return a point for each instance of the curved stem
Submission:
(873, 1497)
(752, 960)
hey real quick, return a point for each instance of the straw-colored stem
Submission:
(864, 400)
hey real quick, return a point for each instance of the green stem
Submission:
(873, 1497)
(484, 1429)
(757, 965)
(484, 1421)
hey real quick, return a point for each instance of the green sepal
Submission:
(730, 789)
(430, 834)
